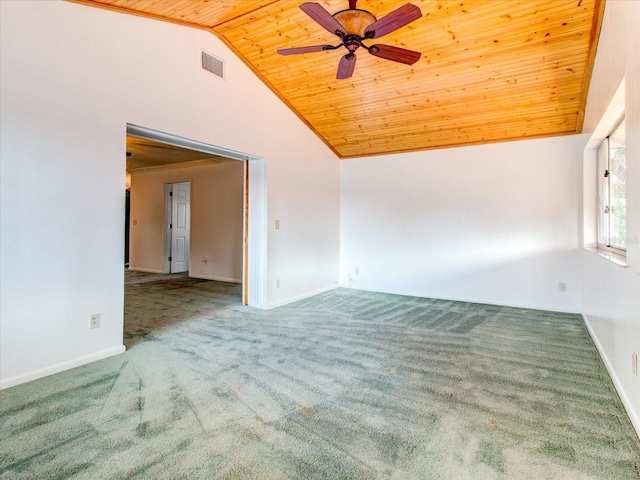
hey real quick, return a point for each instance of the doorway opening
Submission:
(150, 155)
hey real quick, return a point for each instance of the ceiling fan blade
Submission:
(346, 66)
(396, 54)
(309, 49)
(323, 18)
(393, 21)
(352, 4)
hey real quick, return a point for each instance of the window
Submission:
(612, 192)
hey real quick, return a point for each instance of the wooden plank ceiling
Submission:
(491, 70)
(143, 153)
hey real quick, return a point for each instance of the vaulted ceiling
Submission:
(490, 70)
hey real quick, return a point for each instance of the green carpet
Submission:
(347, 384)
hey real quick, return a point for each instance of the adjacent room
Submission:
(412, 257)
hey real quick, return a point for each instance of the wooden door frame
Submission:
(245, 237)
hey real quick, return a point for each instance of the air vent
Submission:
(213, 65)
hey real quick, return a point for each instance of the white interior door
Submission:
(180, 226)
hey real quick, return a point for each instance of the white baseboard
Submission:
(544, 308)
(633, 415)
(300, 297)
(60, 367)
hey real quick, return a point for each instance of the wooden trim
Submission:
(239, 16)
(458, 144)
(137, 13)
(598, 14)
(245, 263)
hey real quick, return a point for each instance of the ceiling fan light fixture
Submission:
(354, 25)
(355, 21)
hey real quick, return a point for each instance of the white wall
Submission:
(72, 77)
(611, 294)
(216, 218)
(494, 223)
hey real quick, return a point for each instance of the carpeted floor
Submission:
(347, 384)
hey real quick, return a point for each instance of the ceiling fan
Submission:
(353, 26)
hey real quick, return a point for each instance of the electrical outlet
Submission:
(562, 287)
(277, 224)
(357, 269)
(94, 320)
(634, 363)
(278, 283)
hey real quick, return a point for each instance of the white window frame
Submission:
(611, 118)
(604, 206)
